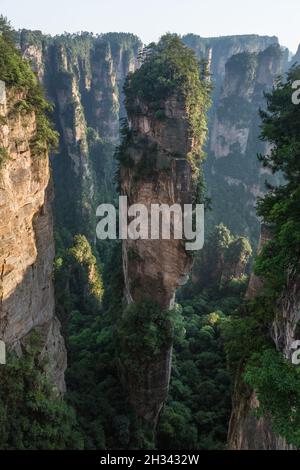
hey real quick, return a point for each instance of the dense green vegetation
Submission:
(93, 385)
(275, 380)
(197, 411)
(143, 331)
(280, 208)
(92, 334)
(32, 415)
(3, 156)
(279, 261)
(214, 332)
(198, 408)
(170, 69)
(17, 74)
(98, 336)
(99, 332)
(277, 383)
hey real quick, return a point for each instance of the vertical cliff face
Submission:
(234, 176)
(159, 266)
(224, 258)
(296, 58)
(246, 431)
(285, 328)
(242, 68)
(157, 166)
(223, 48)
(26, 236)
(269, 365)
(83, 76)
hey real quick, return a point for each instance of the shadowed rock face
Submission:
(256, 283)
(26, 241)
(222, 48)
(159, 169)
(83, 76)
(154, 269)
(246, 432)
(89, 72)
(233, 173)
(160, 266)
(147, 395)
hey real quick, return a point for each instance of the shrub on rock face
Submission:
(17, 74)
(170, 69)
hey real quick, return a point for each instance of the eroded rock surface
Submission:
(26, 240)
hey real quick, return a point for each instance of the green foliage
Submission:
(239, 250)
(247, 339)
(223, 259)
(122, 155)
(144, 331)
(277, 384)
(198, 407)
(235, 109)
(170, 69)
(176, 428)
(78, 277)
(16, 73)
(244, 64)
(81, 254)
(6, 31)
(13, 70)
(32, 415)
(247, 332)
(197, 412)
(280, 208)
(93, 384)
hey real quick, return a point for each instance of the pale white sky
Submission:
(149, 19)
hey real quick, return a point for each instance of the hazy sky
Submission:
(149, 19)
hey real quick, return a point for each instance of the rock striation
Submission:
(26, 238)
(83, 76)
(233, 173)
(246, 432)
(156, 167)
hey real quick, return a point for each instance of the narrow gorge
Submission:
(142, 344)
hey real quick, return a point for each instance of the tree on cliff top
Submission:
(6, 31)
(17, 74)
(169, 69)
